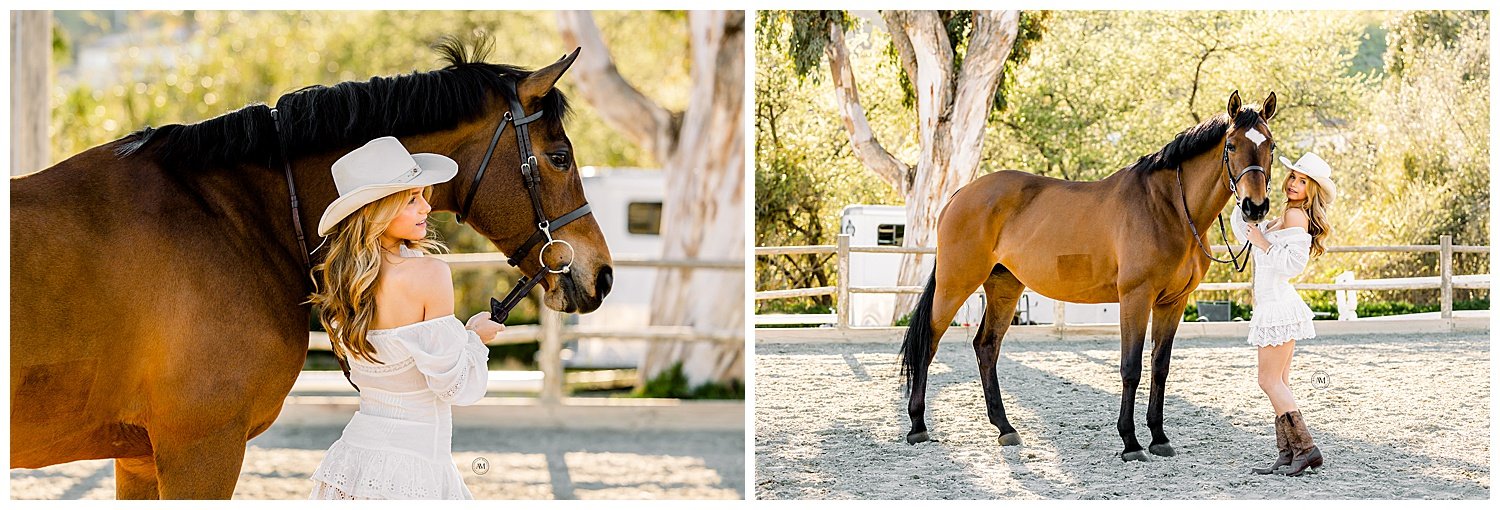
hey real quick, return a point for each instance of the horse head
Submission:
(524, 168)
(1249, 146)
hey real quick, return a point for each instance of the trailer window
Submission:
(643, 218)
(890, 235)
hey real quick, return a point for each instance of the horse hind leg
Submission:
(950, 284)
(1001, 292)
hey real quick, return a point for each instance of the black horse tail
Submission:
(917, 347)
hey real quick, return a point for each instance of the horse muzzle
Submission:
(1253, 211)
(580, 291)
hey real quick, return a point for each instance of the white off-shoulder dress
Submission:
(399, 445)
(1280, 314)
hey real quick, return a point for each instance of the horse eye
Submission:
(1230, 147)
(559, 160)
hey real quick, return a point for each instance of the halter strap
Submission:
(291, 186)
(1234, 258)
(531, 180)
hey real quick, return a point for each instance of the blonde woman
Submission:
(1281, 251)
(389, 313)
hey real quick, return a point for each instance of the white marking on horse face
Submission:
(1255, 136)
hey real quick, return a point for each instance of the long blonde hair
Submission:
(1317, 218)
(346, 278)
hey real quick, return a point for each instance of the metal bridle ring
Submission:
(542, 257)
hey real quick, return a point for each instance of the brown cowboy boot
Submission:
(1304, 453)
(1282, 445)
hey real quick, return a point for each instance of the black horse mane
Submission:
(318, 117)
(1195, 140)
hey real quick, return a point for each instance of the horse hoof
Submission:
(1162, 450)
(1011, 439)
(917, 437)
(1135, 455)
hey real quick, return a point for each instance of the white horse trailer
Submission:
(627, 205)
(885, 225)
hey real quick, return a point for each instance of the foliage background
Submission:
(1397, 102)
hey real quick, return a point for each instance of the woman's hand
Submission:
(481, 324)
(1258, 238)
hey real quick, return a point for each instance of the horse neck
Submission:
(501, 177)
(1205, 186)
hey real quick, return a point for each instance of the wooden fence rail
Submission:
(1445, 281)
(551, 332)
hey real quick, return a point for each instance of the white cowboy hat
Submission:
(376, 170)
(1318, 170)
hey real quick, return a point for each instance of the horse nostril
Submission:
(604, 282)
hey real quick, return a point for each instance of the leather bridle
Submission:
(500, 309)
(1241, 259)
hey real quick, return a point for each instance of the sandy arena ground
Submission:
(523, 464)
(1396, 416)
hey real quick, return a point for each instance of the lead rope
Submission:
(291, 186)
(1234, 258)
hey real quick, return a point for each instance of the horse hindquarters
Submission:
(953, 280)
(1001, 291)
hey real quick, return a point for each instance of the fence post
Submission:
(1445, 268)
(1059, 316)
(842, 295)
(550, 356)
(1348, 300)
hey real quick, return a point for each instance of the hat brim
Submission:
(1325, 183)
(436, 169)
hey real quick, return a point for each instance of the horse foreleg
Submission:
(1001, 292)
(1135, 312)
(135, 478)
(1164, 321)
(203, 467)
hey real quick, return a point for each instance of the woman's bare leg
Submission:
(1271, 368)
(1286, 371)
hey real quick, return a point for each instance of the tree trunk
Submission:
(703, 157)
(952, 109)
(30, 51)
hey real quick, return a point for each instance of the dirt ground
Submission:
(523, 464)
(1396, 416)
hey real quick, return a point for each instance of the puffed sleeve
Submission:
(1238, 226)
(1289, 253)
(454, 360)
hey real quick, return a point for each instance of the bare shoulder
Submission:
(1294, 218)
(423, 275)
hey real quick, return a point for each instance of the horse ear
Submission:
(539, 82)
(1268, 107)
(1234, 103)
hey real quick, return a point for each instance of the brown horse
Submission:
(1125, 239)
(180, 240)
